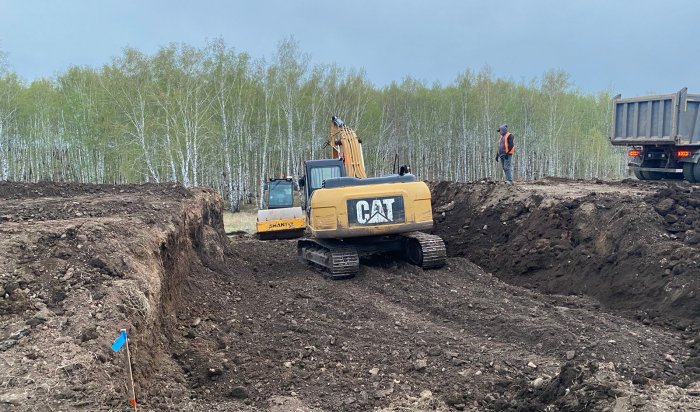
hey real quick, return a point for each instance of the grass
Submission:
(240, 221)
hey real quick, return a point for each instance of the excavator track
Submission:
(336, 262)
(424, 250)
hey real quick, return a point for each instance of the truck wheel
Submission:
(696, 172)
(638, 174)
(689, 172)
(652, 175)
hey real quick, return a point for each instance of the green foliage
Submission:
(216, 117)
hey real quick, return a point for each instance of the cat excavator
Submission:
(351, 215)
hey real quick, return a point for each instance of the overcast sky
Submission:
(631, 47)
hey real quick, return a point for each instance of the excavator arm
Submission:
(345, 145)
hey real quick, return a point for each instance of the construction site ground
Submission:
(558, 295)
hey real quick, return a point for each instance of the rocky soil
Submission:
(552, 311)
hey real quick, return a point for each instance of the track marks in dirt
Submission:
(478, 304)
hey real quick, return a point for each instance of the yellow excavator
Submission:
(280, 219)
(351, 215)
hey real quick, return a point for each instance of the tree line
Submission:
(212, 116)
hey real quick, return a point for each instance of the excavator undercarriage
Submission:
(340, 259)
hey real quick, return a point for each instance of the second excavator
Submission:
(351, 215)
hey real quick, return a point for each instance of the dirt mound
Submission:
(592, 386)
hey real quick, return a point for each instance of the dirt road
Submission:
(242, 325)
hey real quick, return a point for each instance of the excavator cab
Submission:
(317, 172)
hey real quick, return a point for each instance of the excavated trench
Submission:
(219, 324)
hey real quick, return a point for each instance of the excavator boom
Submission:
(347, 146)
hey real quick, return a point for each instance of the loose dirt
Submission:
(239, 324)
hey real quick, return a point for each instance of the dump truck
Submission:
(662, 133)
(350, 215)
(280, 219)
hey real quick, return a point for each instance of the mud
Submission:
(243, 325)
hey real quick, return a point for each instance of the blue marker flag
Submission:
(121, 340)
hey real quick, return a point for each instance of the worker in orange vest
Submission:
(506, 148)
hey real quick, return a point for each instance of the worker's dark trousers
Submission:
(507, 167)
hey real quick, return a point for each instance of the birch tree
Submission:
(129, 86)
(292, 69)
(9, 90)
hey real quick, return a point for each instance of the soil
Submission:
(634, 246)
(567, 306)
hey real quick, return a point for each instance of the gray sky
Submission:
(632, 47)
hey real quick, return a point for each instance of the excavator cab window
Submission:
(280, 194)
(319, 174)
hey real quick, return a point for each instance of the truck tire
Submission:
(689, 172)
(693, 177)
(652, 175)
(638, 174)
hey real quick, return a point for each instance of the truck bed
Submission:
(670, 119)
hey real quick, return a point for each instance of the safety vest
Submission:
(503, 144)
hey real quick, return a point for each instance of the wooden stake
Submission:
(129, 375)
